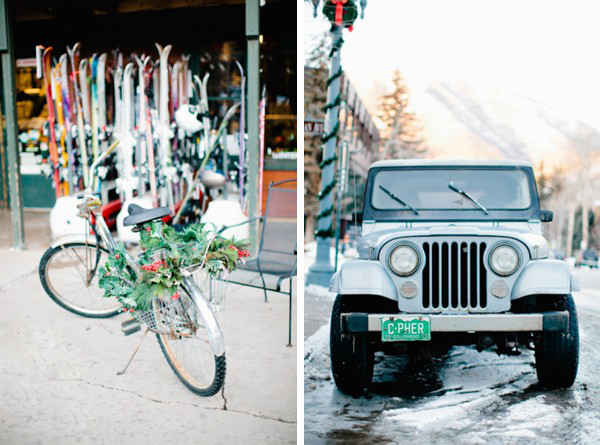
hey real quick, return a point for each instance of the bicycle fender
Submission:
(77, 238)
(217, 342)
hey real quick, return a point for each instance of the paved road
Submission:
(464, 397)
(59, 383)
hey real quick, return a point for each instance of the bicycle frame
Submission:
(103, 239)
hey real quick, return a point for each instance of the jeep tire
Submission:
(557, 353)
(352, 357)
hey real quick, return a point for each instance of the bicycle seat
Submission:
(140, 215)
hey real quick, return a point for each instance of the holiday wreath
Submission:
(165, 252)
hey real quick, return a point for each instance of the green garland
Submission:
(325, 213)
(325, 162)
(328, 188)
(336, 103)
(325, 233)
(164, 253)
(331, 134)
(337, 45)
(335, 75)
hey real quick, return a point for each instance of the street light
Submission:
(341, 14)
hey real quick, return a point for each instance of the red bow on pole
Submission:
(339, 10)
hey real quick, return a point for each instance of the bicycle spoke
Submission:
(191, 355)
(67, 275)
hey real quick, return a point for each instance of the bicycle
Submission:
(187, 329)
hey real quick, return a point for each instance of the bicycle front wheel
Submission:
(187, 348)
(69, 275)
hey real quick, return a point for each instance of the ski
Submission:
(147, 69)
(242, 136)
(62, 134)
(204, 111)
(77, 105)
(164, 128)
(101, 79)
(47, 64)
(66, 105)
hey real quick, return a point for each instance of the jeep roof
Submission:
(450, 163)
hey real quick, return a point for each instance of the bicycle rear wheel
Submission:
(187, 348)
(69, 275)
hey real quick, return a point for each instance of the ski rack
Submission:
(97, 99)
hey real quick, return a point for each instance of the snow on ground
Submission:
(459, 397)
(316, 359)
(440, 397)
(319, 292)
(310, 254)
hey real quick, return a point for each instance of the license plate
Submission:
(406, 328)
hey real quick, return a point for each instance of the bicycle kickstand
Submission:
(134, 353)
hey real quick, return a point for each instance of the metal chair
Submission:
(276, 260)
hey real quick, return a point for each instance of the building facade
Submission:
(358, 137)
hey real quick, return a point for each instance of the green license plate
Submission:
(406, 328)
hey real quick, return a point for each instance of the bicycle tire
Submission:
(213, 385)
(65, 303)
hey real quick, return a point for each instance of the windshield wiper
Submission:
(395, 198)
(452, 187)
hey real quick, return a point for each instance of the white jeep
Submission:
(452, 252)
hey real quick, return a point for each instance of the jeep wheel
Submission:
(557, 353)
(351, 355)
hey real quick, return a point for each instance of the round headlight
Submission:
(404, 260)
(504, 260)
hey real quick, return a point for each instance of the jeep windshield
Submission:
(433, 190)
(428, 189)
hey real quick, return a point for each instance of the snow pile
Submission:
(316, 359)
(310, 254)
(319, 292)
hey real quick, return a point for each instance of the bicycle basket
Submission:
(175, 318)
(213, 288)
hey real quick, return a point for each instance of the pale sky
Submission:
(545, 50)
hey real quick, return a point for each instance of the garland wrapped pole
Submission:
(341, 14)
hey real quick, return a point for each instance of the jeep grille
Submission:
(454, 275)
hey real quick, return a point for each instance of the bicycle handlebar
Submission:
(101, 158)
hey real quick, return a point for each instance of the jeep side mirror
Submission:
(547, 215)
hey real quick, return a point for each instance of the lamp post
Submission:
(341, 14)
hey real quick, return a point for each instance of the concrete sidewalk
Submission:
(60, 383)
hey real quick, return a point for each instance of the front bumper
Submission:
(468, 323)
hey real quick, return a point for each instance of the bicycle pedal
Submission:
(130, 326)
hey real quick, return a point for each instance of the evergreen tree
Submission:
(400, 136)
